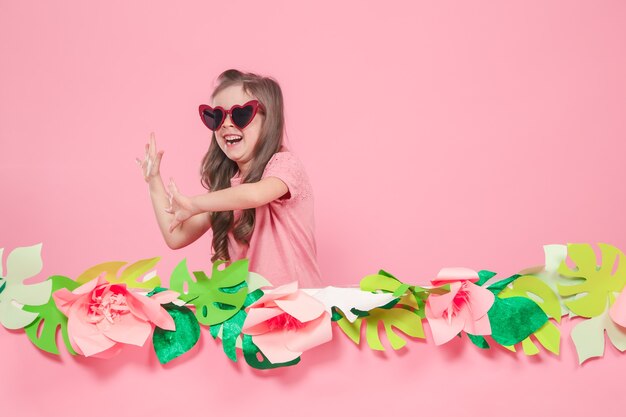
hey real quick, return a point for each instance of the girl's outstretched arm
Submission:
(244, 196)
(193, 228)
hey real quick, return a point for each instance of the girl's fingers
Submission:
(158, 158)
(152, 146)
(174, 225)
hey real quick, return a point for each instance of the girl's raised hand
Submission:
(181, 206)
(151, 161)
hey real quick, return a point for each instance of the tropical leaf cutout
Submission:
(512, 319)
(230, 330)
(22, 263)
(533, 288)
(170, 344)
(217, 298)
(402, 316)
(132, 275)
(43, 331)
(588, 336)
(593, 284)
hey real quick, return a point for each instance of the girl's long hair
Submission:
(217, 170)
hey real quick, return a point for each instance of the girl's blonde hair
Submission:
(217, 169)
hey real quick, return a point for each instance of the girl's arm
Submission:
(244, 196)
(193, 228)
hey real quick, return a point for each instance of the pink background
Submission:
(434, 133)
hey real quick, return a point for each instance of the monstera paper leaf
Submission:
(22, 263)
(230, 330)
(217, 298)
(43, 331)
(533, 288)
(589, 339)
(135, 275)
(403, 315)
(593, 284)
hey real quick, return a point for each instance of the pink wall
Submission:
(435, 134)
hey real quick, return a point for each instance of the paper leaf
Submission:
(594, 285)
(256, 281)
(230, 330)
(514, 319)
(403, 316)
(130, 276)
(22, 263)
(401, 319)
(348, 299)
(251, 354)
(484, 276)
(479, 341)
(533, 288)
(169, 345)
(499, 286)
(50, 319)
(216, 299)
(588, 336)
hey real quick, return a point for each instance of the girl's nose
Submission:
(227, 120)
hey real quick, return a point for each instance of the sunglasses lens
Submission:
(212, 118)
(242, 116)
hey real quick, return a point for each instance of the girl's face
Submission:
(240, 151)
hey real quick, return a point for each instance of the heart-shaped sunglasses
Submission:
(241, 115)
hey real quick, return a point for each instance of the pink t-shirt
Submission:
(282, 247)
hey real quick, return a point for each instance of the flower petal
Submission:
(301, 306)
(255, 322)
(440, 303)
(165, 297)
(315, 333)
(456, 274)
(150, 310)
(129, 329)
(279, 292)
(442, 329)
(481, 326)
(273, 346)
(480, 300)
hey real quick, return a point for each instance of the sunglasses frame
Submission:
(255, 107)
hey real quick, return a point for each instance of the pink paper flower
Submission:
(285, 322)
(102, 317)
(464, 308)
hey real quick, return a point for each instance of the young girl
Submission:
(260, 203)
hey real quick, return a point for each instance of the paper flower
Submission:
(285, 322)
(464, 308)
(102, 317)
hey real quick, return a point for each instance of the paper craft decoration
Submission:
(117, 303)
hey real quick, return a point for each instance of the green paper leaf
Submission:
(230, 330)
(402, 315)
(251, 353)
(50, 319)
(170, 344)
(216, 299)
(484, 276)
(497, 287)
(531, 287)
(593, 285)
(514, 319)
(478, 340)
(336, 314)
(131, 275)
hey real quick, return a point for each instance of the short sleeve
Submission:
(286, 167)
